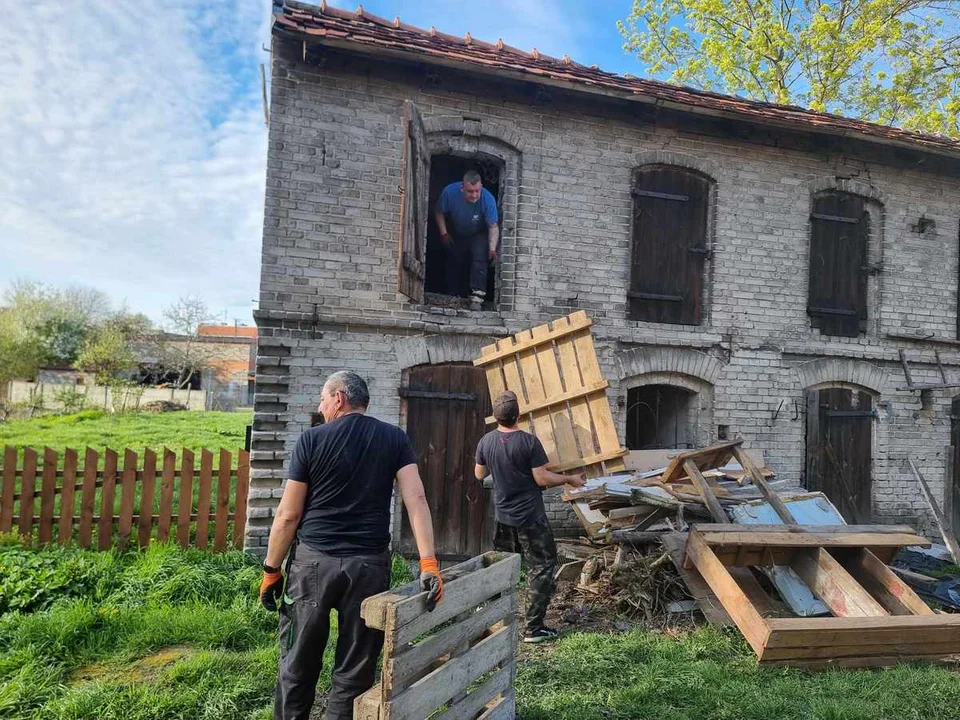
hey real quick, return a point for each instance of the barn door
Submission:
(669, 245)
(837, 299)
(839, 449)
(414, 186)
(446, 407)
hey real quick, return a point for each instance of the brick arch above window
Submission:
(829, 371)
(847, 185)
(682, 361)
(491, 130)
(677, 159)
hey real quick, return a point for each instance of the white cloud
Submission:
(132, 148)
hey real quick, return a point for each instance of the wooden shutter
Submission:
(413, 204)
(669, 245)
(837, 298)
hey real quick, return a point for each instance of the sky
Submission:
(133, 144)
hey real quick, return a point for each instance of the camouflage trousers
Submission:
(535, 543)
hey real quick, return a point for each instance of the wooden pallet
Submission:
(554, 371)
(457, 662)
(877, 619)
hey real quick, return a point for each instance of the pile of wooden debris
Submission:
(619, 507)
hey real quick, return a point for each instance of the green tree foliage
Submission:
(895, 62)
(21, 351)
(107, 352)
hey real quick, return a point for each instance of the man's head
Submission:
(343, 393)
(506, 409)
(471, 186)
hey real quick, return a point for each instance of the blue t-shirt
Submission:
(467, 218)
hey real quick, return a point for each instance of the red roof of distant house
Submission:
(361, 30)
(233, 331)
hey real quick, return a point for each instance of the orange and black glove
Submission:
(271, 587)
(431, 582)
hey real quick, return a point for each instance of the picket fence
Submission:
(140, 502)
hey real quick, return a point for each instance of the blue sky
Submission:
(132, 142)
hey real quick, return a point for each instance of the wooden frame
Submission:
(459, 659)
(878, 620)
(554, 371)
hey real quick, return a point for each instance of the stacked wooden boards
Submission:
(554, 371)
(457, 662)
(877, 619)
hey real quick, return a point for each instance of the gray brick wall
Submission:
(328, 295)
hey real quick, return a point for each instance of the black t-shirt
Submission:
(511, 457)
(349, 466)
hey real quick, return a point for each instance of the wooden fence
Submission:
(125, 504)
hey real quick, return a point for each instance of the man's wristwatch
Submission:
(270, 569)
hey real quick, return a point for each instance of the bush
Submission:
(72, 399)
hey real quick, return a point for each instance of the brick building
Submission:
(751, 269)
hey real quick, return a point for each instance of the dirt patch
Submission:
(142, 669)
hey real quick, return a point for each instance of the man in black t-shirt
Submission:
(518, 463)
(337, 503)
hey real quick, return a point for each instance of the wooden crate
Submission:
(877, 619)
(457, 662)
(553, 369)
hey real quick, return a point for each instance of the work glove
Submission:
(431, 582)
(271, 589)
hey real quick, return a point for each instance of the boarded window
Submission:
(669, 245)
(839, 228)
(413, 204)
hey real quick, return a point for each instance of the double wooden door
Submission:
(446, 410)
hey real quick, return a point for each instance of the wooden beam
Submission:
(757, 477)
(948, 537)
(882, 583)
(706, 492)
(593, 387)
(785, 539)
(834, 585)
(888, 630)
(507, 347)
(730, 594)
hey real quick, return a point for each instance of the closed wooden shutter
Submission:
(413, 205)
(669, 245)
(837, 299)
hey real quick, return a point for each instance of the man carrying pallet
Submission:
(517, 461)
(337, 505)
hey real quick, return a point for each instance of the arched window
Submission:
(669, 245)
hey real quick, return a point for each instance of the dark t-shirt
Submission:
(349, 466)
(511, 457)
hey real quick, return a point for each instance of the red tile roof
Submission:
(361, 30)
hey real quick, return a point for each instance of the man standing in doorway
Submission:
(337, 504)
(471, 236)
(517, 461)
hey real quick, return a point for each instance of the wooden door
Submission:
(837, 296)
(446, 408)
(669, 245)
(840, 449)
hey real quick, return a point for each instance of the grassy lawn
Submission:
(168, 633)
(96, 429)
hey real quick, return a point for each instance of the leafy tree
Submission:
(21, 351)
(107, 353)
(180, 351)
(895, 62)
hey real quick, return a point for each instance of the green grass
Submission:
(169, 633)
(96, 429)
(154, 635)
(712, 675)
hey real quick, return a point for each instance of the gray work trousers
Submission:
(316, 584)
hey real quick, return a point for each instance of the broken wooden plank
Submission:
(706, 492)
(943, 525)
(708, 603)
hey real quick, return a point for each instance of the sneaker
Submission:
(476, 298)
(542, 635)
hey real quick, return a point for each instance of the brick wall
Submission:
(328, 283)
